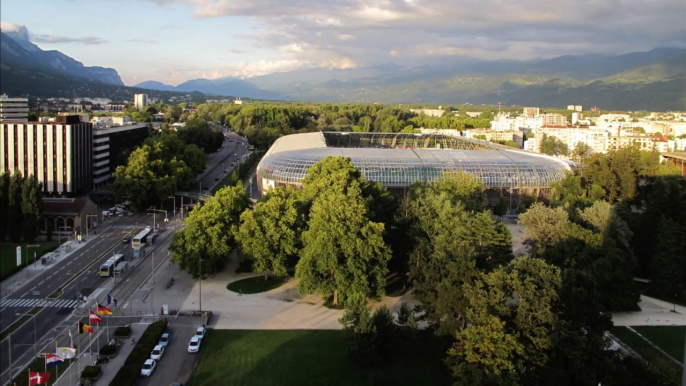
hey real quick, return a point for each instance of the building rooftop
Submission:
(72, 206)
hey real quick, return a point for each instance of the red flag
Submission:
(94, 318)
(38, 378)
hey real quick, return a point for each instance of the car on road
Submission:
(157, 352)
(148, 368)
(125, 240)
(194, 345)
(165, 339)
(200, 332)
(148, 227)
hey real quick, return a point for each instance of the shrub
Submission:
(128, 374)
(108, 349)
(91, 372)
(123, 331)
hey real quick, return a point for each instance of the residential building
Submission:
(531, 112)
(642, 142)
(14, 109)
(594, 137)
(59, 154)
(497, 136)
(238, 101)
(112, 146)
(503, 123)
(140, 101)
(554, 120)
(575, 107)
(436, 113)
(112, 121)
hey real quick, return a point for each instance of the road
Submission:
(54, 316)
(222, 161)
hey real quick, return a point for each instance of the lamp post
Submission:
(153, 216)
(87, 216)
(27, 257)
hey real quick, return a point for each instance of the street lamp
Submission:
(154, 216)
(87, 216)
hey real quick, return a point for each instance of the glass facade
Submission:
(398, 167)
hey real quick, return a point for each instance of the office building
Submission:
(14, 109)
(140, 101)
(59, 154)
(112, 145)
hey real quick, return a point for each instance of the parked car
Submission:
(200, 332)
(165, 339)
(194, 345)
(157, 352)
(148, 368)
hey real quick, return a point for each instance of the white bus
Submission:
(107, 269)
(140, 238)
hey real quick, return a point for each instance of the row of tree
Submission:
(21, 200)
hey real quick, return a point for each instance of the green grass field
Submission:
(648, 352)
(8, 255)
(312, 357)
(668, 338)
(255, 285)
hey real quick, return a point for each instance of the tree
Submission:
(545, 227)
(553, 146)
(4, 204)
(343, 253)
(511, 319)
(501, 208)
(210, 232)
(16, 218)
(669, 263)
(50, 231)
(581, 151)
(32, 208)
(358, 326)
(271, 233)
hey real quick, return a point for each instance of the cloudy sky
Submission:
(175, 40)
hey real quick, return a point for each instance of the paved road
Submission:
(177, 364)
(52, 317)
(217, 171)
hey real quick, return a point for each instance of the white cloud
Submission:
(18, 31)
(394, 53)
(345, 37)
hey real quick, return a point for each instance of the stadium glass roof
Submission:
(400, 167)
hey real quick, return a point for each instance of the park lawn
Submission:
(668, 338)
(8, 255)
(313, 357)
(648, 352)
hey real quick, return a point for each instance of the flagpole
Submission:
(108, 329)
(46, 362)
(29, 376)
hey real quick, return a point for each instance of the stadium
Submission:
(397, 160)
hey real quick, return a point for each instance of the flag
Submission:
(66, 352)
(71, 340)
(93, 317)
(84, 328)
(109, 299)
(38, 378)
(103, 310)
(53, 360)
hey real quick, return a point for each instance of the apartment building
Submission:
(140, 101)
(642, 142)
(554, 120)
(531, 112)
(59, 154)
(14, 109)
(575, 107)
(436, 113)
(497, 136)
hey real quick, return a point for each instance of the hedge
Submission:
(91, 372)
(123, 331)
(128, 374)
(108, 349)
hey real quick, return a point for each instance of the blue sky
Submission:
(175, 40)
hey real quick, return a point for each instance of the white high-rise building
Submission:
(140, 101)
(14, 109)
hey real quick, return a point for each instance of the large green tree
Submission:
(669, 262)
(32, 208)
(209, 234)
(4, 204)
(16, 217)
(271, 232)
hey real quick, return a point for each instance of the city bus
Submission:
(107, 269)
(140, 238)
(120, 268)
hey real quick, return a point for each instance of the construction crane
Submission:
(499, 106)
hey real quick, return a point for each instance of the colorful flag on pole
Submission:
(103, 310)
(71, 340)
(94, 318)
(66, 352)
(53, 360)
(109, 299)
(38, 378)
(84, 328)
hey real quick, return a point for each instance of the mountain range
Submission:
(653, 80)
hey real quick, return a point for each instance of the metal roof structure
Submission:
(398, 160)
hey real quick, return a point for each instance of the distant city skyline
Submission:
(172, 41)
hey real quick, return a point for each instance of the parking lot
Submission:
(177, 364)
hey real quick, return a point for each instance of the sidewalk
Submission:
(109, 369)
(654, 312)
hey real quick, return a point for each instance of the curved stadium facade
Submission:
(397, 160)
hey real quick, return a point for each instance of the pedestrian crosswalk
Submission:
(56, 303)
(123, 226)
